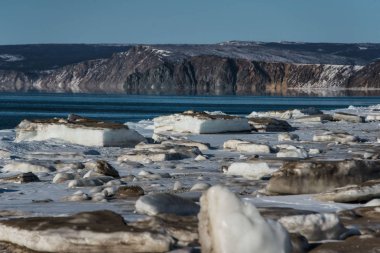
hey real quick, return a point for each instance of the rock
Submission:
(62, 177)
(335, 137)
(200, 123)
(310, 111)
(299, 243)
(129, 192)
(266, 124)
(365, 219)
(250, 170)
(28, 177)
(200, 187)
(342, 116)
(353, 193)
(91, 152)
(314, 118)
(303, 177)
(87, 182)
(184, 229)
(94, 232)
(106, 169)
(30, 166)
(291, 151)
(200, 145)
(315, 227)
(288, 137)
(226, 224)
(354, 244)
(160, 203)
(82, 131)
(157, 153)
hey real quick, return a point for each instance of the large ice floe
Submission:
(200, 123)
(228, 225)
(78, 130)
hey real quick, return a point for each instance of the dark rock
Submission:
(129, 192)
(354, 244)
(184, 229)
(165, 203)
(311, 111)
(265, 124)
(28, 177)
(91, 152)
(104, 168)
(303, 177)
(366, 219)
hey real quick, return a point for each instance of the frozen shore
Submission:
(295, 166)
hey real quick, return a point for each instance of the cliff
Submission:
(202, 70)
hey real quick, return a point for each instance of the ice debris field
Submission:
(271, 182)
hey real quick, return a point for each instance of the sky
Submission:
(188, 21)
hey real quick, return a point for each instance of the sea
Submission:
(133, 108)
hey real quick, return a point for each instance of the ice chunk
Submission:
(251, 170)
(229, 225)
(82, 131)
(200, 123)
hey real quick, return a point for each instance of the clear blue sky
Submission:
(188, 21)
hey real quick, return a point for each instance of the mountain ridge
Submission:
(230, 68)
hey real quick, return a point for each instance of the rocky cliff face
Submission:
(367, 78)
(158, 70)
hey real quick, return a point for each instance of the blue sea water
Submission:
(123, 108)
